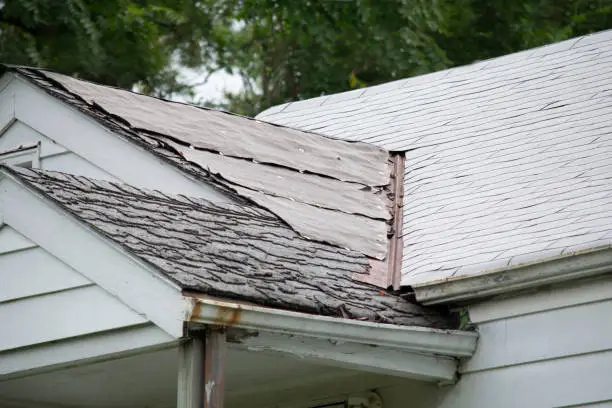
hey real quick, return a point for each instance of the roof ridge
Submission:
(369, 91)
(20, 68)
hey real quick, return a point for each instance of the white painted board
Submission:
(62, 315)
(34, 271)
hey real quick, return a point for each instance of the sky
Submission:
(214, 88)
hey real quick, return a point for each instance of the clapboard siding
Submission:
(551, 348)
(551, 334)
(11, 240)
(71, 163)
(62, 315)
(81, 348)
(574, 381)
(34, 271)
(578, 293)
(20, 134)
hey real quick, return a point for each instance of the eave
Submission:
(568, 267)
(406, 351)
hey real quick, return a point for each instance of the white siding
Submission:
(11, 240)
(71, 163)
(61, 315)
(53, 156)
(19, 134)
(110, 155)
(578, 380)
(81, 348)
(546, 349)
(33, 271)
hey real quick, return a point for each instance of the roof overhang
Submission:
(405, 351)
(572, 266)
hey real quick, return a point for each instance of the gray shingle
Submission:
(507, 160)
(312, 175)
(228, 250)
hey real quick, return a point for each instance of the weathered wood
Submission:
(190, 374)
(214, 368)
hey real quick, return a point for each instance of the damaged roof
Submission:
(228, 250)
(327, 190)
(507, 160)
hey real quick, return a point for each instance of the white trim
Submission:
(22, 155)
(577, 265)
(81, 350)
(101, 260)
(93, 142)
(409, 338)
(549, 298)
(356, 356)
(7, 107)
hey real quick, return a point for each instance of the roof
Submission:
(507, 160)
(301, 177)
(228, 250)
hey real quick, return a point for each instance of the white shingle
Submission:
(507, 160)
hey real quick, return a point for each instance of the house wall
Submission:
(45, 304)
(71, 142)
(52, 155)
(551, 348)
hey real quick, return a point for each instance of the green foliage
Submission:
(283, 49)
(116, 42)
(298, 50)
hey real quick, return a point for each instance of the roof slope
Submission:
(302, 177)
(228, 250)
(507, 160)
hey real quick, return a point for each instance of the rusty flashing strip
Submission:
(396, 240)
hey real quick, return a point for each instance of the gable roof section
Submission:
(227, 250)
(507, 160)
(304, 178)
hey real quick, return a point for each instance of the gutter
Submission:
(413, 339)
(577, 265)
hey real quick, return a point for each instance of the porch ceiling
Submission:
(150, 380)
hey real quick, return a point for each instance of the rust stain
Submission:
(197, 309)
(387, 273)
(396, 241)
(377, 274)
(228, 317)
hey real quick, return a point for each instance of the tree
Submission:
(115, 42)
(298, 50)
(283, 49)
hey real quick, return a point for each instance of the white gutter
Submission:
(407, 338)
(576, 265)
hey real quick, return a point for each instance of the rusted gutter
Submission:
(408, 338)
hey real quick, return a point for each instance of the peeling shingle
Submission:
(228, 250)
(503, 157)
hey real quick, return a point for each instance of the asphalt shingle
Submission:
(228, 250)
(507, 160)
